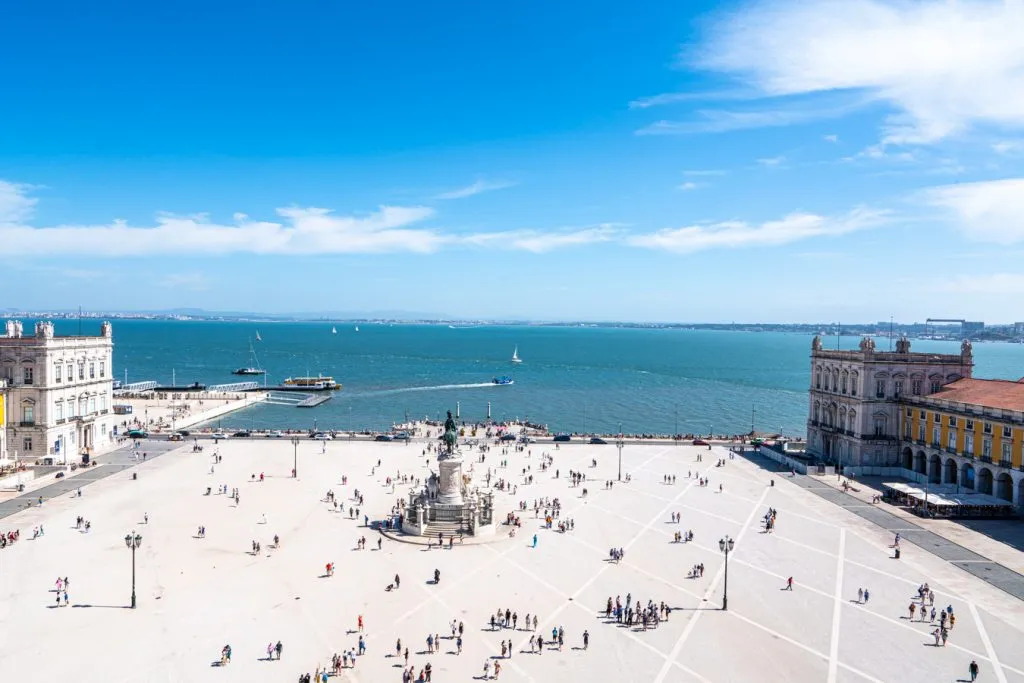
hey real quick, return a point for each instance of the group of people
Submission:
(9, 537)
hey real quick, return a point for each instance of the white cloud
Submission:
(1008, 146)
(696, 96)
(831, 138)
(709, 172)
(724, 121)
(989, 211)
(479, 187)
(688, 186)
(772, 162)
(738, 234)
(941, 66)
(539, 242)
(15, 204)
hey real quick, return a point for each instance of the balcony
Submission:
(104, 411)
(60, 421)
(936, 444)
(1008, 464)
(986, 458)
(951, 449)
(27, 423)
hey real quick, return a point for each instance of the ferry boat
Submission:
(502, 381)
(318, 383)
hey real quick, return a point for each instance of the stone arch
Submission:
(851, 418)
(920, 463)
(908, 459)
(967, 475)
(935, 469)
(1004, 486)
(952, 378)
(835, 379)
(950, 472)
(845, 382)
(842, 417)
(984, 484)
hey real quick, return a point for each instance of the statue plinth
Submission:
(449, 490)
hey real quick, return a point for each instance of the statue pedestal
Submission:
(450, 485)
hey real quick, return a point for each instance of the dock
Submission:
(313, 401)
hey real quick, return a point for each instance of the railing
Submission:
(986, 458)
(936, 444)
(61, 420)
(951, 449)
(27, 423)
(104, 411)
(1008, 464)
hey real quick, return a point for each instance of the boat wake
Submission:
(438, 387)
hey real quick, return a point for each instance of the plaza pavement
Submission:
(195, 595)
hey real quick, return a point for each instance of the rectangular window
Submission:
(71, 372)
(56, 372)
(880, 388)
(952, 421)
(968, 444)
(969, 425)
(59, 410)
(879, 426)
(986, 448)
(935, 436)
(71, 408)
(844, 384)
(988, 428)
(935, 386)
(1006, 452)
(907, 430)
(1007, 433)
(951, 440)
(27, 444)
(853, 385)
(915, 387)
(910, 412)
(103, 402)
(81, 371)
(92, 405)
(923, 415)
(92, 371)
(920, 432)
(899, 387)
(28, 414)
(103, 369)
(817, 380)
(27, 375)
(936, 418)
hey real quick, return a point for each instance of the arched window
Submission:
(28, 412)
(817, 406)
(846, 378)
(851, 418)
(817, 377)
(854, 381)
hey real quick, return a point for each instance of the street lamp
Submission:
(133, 541)
(726, 544)
(295, 456)
(619, 444)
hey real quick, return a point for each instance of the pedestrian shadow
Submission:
(87, 606)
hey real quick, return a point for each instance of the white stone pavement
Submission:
(195, 595)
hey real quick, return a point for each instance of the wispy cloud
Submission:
(15, 202)
(724, 121)
(941, 66)
(738, 234)
(693, 96)
(479, 187)
(988, 211)
(539, 242)
(830, 138)
(772, 162)
(1008, 147)
(688, 186)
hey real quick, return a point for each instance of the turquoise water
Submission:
(581, 379)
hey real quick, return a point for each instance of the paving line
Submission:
(997, 668)
(714, 584)
(833, 650)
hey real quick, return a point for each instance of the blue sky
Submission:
(668, 161)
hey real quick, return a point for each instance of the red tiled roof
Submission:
(990, 393)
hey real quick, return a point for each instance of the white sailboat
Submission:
(258, 337)
(334, 330)
(357, 328)
(515, 356)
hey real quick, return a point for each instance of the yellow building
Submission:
(969, 433)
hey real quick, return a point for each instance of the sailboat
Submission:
(334, 330)
(357, 328)
(258, 337)
(515, 356)
(253, 369)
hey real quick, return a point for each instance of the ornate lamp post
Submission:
(726, 544)
(295, 456)
(133, 541)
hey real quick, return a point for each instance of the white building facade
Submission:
(856, 396)
(60, 391)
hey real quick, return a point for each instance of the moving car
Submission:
(242, 433)
(276, 434)
(383, 437)
(322, 436)
(563, 437)
(597, 440)
(176, 437)
(219, 435)
(507, 437)
(137, 434)
(700, 442)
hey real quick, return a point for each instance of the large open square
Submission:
(197, 594)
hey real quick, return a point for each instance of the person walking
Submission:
(972, 669)
(535, 540)
(586, 639)
(789, 583)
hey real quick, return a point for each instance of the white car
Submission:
(219, 435)
(276, 434)
(322, 436)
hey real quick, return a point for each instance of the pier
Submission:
(234, 386)
(313, 401)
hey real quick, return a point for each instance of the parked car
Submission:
(322, 436)
(507, 437)
(598, 440)
(60, 475)
(402, 436)
(383, 437)
(219, 435)
(176, 437)
(700, 442)
(242, 433)
(563, 437)
(527, 440)
(184, 432)
(137, 434)
(276, 434)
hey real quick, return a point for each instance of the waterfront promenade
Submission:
(197, 594)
